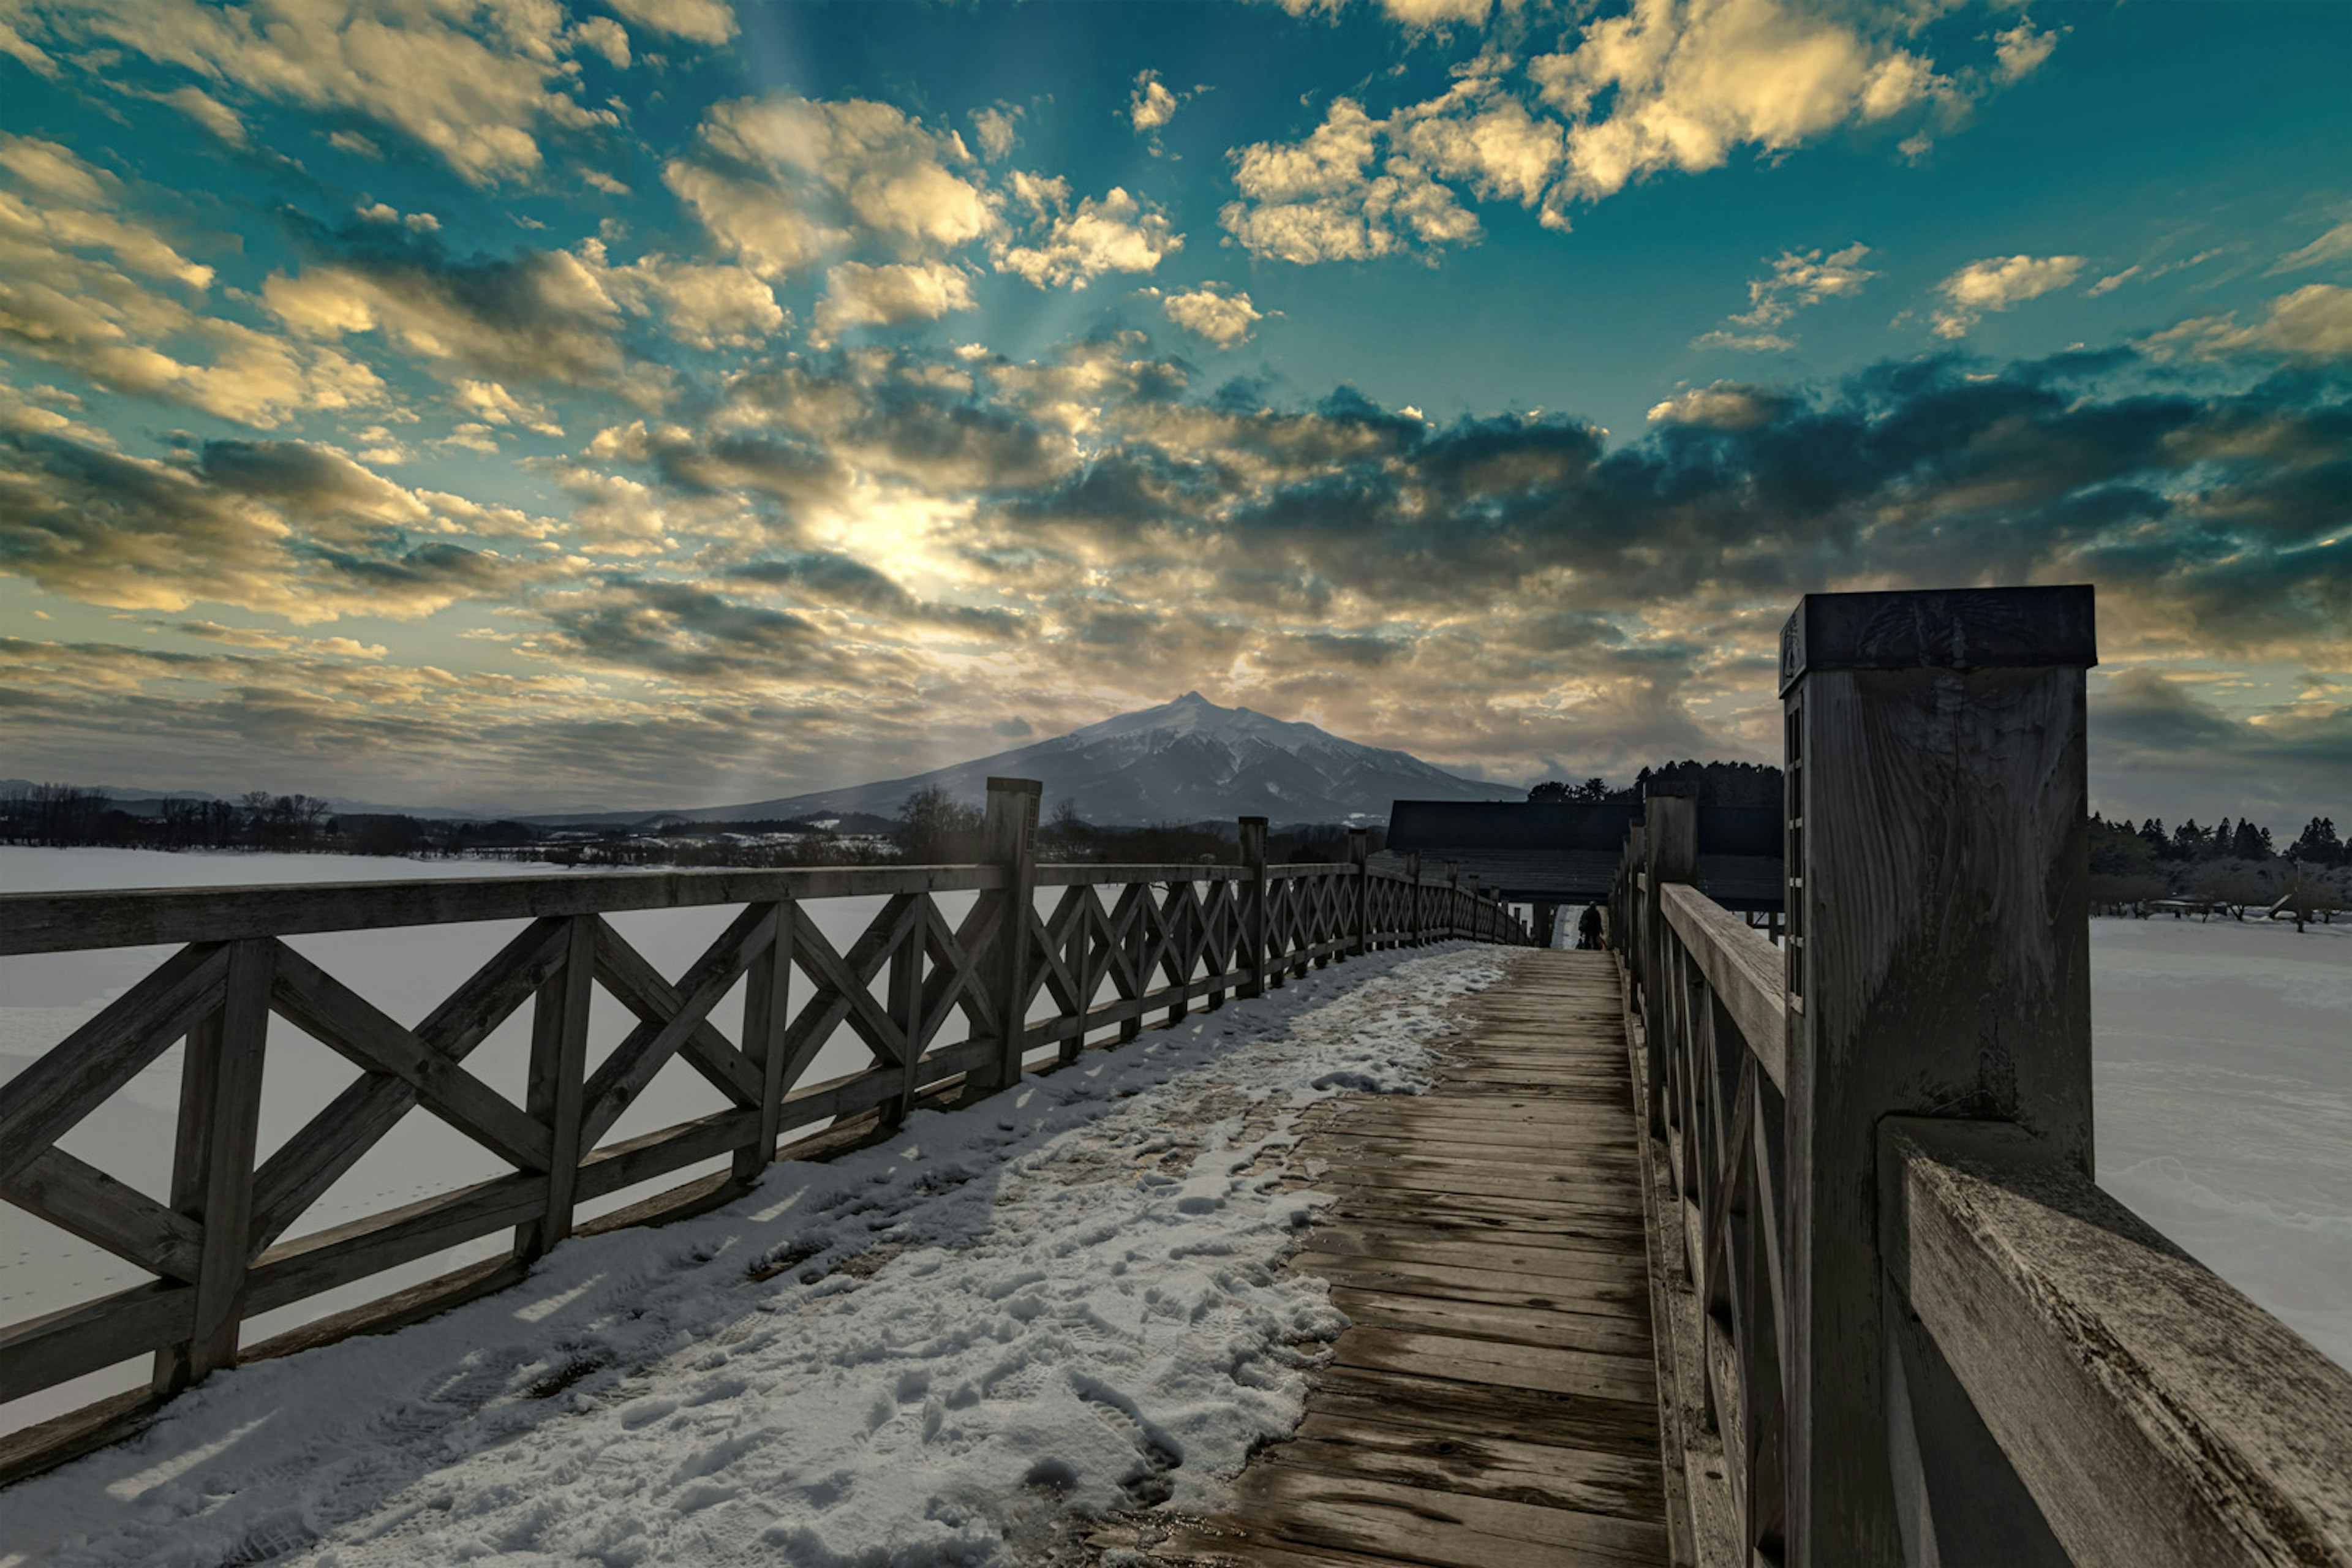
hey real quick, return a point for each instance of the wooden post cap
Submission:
(1015, 786)
(1940, 628)
(1253, 821)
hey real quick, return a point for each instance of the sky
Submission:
(660, 403)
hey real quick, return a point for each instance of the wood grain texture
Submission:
(2153, 1413)
(1742, 968)
(59, 922)
(1494, 1401)
(1947, 972)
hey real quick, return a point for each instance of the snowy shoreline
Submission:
(1065, 1301)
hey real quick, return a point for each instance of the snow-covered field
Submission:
(2222, 1071)
(1061, 1302)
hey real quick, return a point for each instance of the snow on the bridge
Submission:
(1064, 1300)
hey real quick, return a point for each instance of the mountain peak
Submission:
(1186, 760)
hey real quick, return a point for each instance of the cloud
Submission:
(708, 307)
(1073, 247)
(856, 295)
(710, 22)
(2019, 51)
(1150, 105)
(993, 129)
(209, 112)
(70, 293)
(1226, 319)
(284, 527)
(1677, 84)
(1797, 280)
(2312, 324)
(1670, 84)
(782, 181)
(1726, 406)
(2157, 744)
(1998, 283)
(2329, 246)
(552, 316)
(472, 80)
(1319, 200)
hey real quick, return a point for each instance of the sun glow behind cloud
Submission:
(586, 421)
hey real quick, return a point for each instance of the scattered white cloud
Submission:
(710, 22)
(1798, 279)
(823, 175)
(1226, 319)
(493, 404)
(1677, 84)
(1998, 283)
(1114, 233)
(994, 127)
(856, 295)
(607, 37)
(2019, 51)
(471, 82)
(2333, 246)
(1150, 105)
(209, 112)
(1320, 200)
(71, 264)
(1726, 406)
(2314, 322)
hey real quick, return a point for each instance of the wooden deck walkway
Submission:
(1496, 1403)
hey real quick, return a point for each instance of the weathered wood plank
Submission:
(337, 1016)
(1743, 969)
(1630, 1378)
(42, 1103)
(1475, 1320)
(2155, 1414)
(59, 922)
(333, 1140)
(1439, 1527)
(213, 1165)
(81, 1198)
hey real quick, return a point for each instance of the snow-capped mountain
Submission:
(1184, 761)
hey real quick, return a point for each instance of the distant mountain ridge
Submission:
(1185, 761)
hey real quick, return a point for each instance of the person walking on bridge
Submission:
(1587, 928)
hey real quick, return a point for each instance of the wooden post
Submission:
(1008, 840)
(1938, 965)
(559, 1067)
(1253, 841)
(1546, 924)
(1359, 846)
(1474, 924)
(1670, 839)
(1452, 922)
(1412, 919)
(767, 1009)
(902, 994)
(212, 1171)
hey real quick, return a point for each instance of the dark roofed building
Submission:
(1543, 852)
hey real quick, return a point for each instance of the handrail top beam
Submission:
(1742, 967)
(142, 917)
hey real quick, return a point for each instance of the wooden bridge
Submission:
(1707, 1250)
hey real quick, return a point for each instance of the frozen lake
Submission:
(2223, 1074)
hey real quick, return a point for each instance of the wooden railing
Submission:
(223, 1250)
(1899, 1322)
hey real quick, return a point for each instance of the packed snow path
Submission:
(1065, 1302)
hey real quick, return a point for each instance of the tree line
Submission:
(1744, 785)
